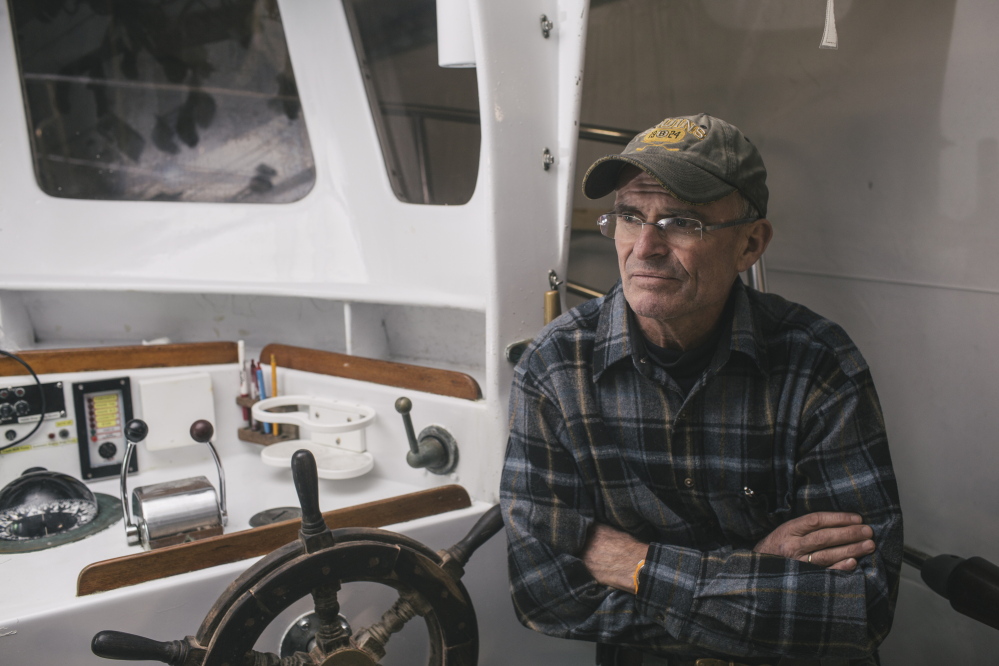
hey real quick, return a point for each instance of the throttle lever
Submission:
(202, 432)
(135, 431)
(120, 645)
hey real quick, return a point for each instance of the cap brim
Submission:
(685, 181)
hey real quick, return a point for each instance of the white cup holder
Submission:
(336, 429)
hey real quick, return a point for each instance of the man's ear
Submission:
(755, 242)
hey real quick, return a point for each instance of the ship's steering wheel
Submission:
(318, 563)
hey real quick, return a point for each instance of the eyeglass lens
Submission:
(627, 228)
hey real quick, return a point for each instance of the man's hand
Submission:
(833, 539)
(611, 556)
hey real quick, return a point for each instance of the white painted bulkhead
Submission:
(348, 268)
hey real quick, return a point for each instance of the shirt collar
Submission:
(613, 339)
(746, 337)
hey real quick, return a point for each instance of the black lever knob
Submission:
(119, 645)
(136, 430)
(202, 431)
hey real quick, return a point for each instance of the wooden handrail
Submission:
(88, 359)
(213, 551)
(389, 373)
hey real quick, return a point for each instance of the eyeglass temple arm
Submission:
(733, 223)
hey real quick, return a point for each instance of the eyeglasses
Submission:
(672, 229)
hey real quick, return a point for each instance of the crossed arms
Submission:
(572, 560)
(836, 540)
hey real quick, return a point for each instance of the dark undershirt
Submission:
(686, 367)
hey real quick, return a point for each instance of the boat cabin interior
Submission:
(266, 266)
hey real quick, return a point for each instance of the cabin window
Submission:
(145, 100)
(426, 116)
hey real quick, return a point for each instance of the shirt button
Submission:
(749, 491)
(660, 618)
(641, 360)
(689, 482)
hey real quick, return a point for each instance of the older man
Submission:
(696, 470)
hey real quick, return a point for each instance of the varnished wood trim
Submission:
(213, 551)
(88, 359)
(389, 373)
(288, 433)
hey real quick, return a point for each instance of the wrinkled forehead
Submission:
(640, 192)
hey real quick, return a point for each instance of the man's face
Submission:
(674, 285)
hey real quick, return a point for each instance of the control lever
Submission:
(202, 432)
(135, 431)
(164, 514)
(435, 448)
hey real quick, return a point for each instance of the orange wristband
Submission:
(634, 576)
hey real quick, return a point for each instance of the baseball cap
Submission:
(698, 159)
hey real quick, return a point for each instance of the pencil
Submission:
(263, 393)
(244, 384)
(274, 392)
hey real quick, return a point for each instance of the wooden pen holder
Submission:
(257, 435)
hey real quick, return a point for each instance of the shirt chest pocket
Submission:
(750, 507)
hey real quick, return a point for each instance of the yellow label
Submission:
(63, 424)
(665, 136)
(105, 410)
(680, 126)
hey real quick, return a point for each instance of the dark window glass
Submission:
(176, 100)
(427, 116)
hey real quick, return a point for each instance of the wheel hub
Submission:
(349, 657)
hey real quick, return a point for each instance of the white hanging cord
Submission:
(830, 40)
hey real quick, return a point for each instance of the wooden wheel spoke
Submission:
(373, 639)
(333, 633)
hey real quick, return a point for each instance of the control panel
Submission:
(21, 405)
(102, 410)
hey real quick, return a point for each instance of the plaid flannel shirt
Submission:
(785, 421)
